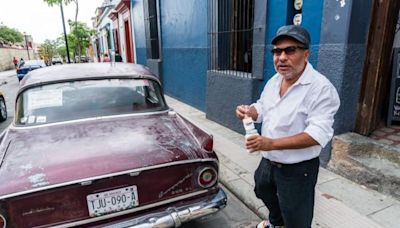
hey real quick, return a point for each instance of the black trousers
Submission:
(288, 191)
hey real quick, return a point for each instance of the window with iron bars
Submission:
(230, 29)
(151, 29)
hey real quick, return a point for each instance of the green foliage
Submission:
(57, 2)
(79, 37)
(48, 49)
(61, 49)
(75, 45)
(10, 35)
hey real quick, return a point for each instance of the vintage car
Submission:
(95, 145)
(25, 67)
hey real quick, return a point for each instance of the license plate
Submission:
(112, 201)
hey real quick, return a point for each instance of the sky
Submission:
(41, 21)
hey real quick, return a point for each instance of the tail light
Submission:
(207, 177)
(2, 221)
(208, 144)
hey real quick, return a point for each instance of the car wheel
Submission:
(3, 109)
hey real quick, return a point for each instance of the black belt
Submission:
(280, 165)
(277, 164)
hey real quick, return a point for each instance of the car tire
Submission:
(3, 109)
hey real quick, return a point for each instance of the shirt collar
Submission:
(306, 77)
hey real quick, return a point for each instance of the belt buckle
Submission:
(279, 165)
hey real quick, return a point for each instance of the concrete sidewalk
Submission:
(339, 202)
(7, 73)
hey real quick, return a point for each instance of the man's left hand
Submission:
(257, 142)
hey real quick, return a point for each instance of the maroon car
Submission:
(95, 145)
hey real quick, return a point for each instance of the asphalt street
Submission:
(236, 214)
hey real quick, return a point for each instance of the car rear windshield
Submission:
(86, 99)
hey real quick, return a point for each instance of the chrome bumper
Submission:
(174, 217)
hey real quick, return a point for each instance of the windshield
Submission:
(85, 99)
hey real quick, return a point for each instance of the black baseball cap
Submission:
(295, 32)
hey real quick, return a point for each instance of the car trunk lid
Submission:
(49, 155)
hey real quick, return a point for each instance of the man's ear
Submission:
(307, 55)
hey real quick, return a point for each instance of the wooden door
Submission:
(128, 43)
(377, 70)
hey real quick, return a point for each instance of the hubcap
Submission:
(3, 110)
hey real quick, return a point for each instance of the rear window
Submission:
(86, 99)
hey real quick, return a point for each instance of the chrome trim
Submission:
(213, 182)
(13, 126)
(109, 216)
(174, 217)
(134, 174)
(3, 155)
(106, 176)
(85, 183)
(5, 221)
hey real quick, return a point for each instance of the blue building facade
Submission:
(191, 45)
(182, 62)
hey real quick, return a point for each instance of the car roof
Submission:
(83, 71)
(33, 61)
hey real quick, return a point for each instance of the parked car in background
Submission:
(3, 109)
(81, 59)
(26, 66)
(56, 60)
(95, 145)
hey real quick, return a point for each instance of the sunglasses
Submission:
(288, 50)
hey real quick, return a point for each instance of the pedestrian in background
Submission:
(15, 62)
(296, 108)
(106, 58)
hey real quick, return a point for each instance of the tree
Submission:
(66, 2)
(10, 35)
(47, 50)
(79, 37)
(61, 49)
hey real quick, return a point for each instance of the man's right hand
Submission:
(241, 111)
(245, 110)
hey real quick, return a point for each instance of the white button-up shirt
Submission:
(309, 106)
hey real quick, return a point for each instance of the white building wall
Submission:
(122, 36)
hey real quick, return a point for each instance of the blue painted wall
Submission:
(341, 56)
(342, 51)
(276, 17)
(138, 25)
(184, 50)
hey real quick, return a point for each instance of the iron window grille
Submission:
(230, 30)
(151, 29)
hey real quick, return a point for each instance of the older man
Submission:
(296, 108)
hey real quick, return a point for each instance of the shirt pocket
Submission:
(291, 119)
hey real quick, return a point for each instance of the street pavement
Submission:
(8, 86)
(339, 202)
(236, 215)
